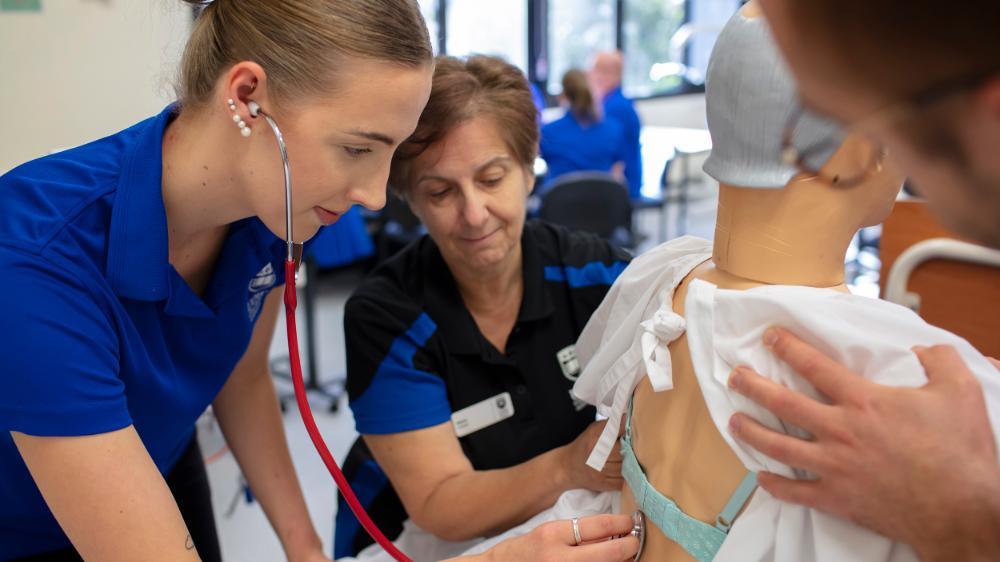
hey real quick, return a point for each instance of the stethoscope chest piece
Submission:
(638, 531)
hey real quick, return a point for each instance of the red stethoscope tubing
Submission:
(307, 418)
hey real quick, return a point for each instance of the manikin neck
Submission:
(781, 237)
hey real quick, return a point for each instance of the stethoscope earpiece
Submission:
(254, 108)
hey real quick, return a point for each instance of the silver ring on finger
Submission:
(576, 531)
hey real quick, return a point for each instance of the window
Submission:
(654, 59)
(429, 9)
(706, 21)
(489, 28)
(577, 29)
(666, 43)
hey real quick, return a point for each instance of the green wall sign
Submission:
(20, 5)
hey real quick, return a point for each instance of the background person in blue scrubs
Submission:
(582, 140)
(139, 277)
(606, 80)
(140, 274)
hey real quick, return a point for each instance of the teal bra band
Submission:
(699, 539)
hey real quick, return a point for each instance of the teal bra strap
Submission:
(699, 539)
(736, 502)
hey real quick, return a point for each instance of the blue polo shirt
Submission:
(567, 145)
(619, 108)
(97, 330)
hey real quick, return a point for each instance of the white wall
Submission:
(675, 111)
(82, 69)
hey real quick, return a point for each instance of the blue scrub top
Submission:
(620, 109)
(570, 146)
(97, 330)
(344, 242)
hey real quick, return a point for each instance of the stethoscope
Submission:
(638, 531)
(293, 257)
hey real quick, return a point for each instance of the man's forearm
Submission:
(969, 530)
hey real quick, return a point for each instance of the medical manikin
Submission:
(685, 314)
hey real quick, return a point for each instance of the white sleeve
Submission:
(628, 335)
(871, 338)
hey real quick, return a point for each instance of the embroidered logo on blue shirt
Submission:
(258, 288)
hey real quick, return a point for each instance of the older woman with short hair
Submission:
(460, 349)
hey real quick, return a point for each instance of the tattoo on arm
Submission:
(189, 543)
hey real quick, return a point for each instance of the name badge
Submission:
(483, 414)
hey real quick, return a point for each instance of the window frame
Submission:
(538, 45)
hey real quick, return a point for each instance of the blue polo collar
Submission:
(615, 93)
(137, 265)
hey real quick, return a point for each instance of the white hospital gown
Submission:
(627, 339)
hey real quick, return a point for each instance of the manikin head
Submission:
(750, 98)
(917, 76)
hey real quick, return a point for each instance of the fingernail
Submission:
(734, 424)
(770, 336)
(918, 349)
(735, 378)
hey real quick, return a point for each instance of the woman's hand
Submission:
(554, 541)
(579, 475)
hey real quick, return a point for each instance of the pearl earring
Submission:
(244, 128)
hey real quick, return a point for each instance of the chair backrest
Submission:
(398, 211)
(952, 286)
(590, 201)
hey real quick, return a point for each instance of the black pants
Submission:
(188, 482)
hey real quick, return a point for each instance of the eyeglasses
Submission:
(808, 156)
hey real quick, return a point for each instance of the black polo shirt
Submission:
(415, 355)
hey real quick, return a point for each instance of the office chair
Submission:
(593, 202)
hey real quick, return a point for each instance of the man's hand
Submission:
(916, 465)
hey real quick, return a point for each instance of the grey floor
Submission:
(244, 531)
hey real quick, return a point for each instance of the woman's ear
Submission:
(244, 82)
